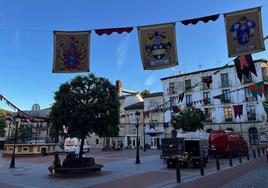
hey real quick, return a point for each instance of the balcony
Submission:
(229, 119)
(249, 99)
(226, 101)
(251, 118)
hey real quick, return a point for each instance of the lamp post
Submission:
(144, 146)
(17, 125)
(137, 115)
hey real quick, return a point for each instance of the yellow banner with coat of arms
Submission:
(158, 46)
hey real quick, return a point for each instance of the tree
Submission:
(25, 132)
(86, 104)
(190, 120)
(145, 92)
(2, 123)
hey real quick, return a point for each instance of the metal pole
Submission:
(178, 172)
(144, 146)
(137, 143)
(230, 159)
(217, 162)
(240, 158)
(201, 164)
(12, 163)
(259, 152)
(248, 156)
(254, 153)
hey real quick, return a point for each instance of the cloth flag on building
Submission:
(257, 89)
(244, 65)
(265, 106)
(238, 110)
(244, 32)
(158, 46)
(207, 80)
(71, 52)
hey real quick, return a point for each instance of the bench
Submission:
(74, 166)
(67, 171)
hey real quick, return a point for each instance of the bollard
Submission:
(240, 158)
(248, 156)
(201, 164)
(230, 159)
(178, 172)
(259, 152)
(254, 154)
(217, 162)
(263, 151)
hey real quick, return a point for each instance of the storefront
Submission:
(153, 135)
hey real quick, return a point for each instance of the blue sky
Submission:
(26, 41)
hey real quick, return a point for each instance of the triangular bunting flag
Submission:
(257, 89)
(244, 65)
(181, 96)
(238, 110)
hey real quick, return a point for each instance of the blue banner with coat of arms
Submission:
(71, 52)
(158, 46)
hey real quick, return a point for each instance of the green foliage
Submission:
(145, 92)
(86, 104)
(2, 123)
(25, 132)
(190, 120)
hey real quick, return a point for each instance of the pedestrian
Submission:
(76, 151)
(56, 164)
(121, 146)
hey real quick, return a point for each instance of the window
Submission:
(188, 99)
(205, 85)
(172, 101)
(171, 88)
(25, 149)
(248, 95)
(265, 73)
(251, 112)
(226, 96)
(224, 80)
(97, 141)
(228, 115)
(246, 79)
(208, 114)
(152, 103)
(188, 85)
(206, 95)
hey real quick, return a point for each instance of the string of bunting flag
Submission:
(247, 66)
(21, 114)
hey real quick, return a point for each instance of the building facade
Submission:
(219, 112)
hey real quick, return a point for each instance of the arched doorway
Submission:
(253, 136)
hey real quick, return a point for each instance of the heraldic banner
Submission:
(71, 52)
(244, 32)
(158, 46)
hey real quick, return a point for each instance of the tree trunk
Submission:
(81, 147)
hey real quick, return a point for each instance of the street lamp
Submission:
(17, 125)
(137, 115)
(144, 146)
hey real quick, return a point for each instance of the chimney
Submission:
(118, 85)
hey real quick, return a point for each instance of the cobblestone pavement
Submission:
(257, 178)
(120, 171)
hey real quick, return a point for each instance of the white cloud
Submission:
(121, 52)
(150, 80)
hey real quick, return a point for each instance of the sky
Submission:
(26, 42)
